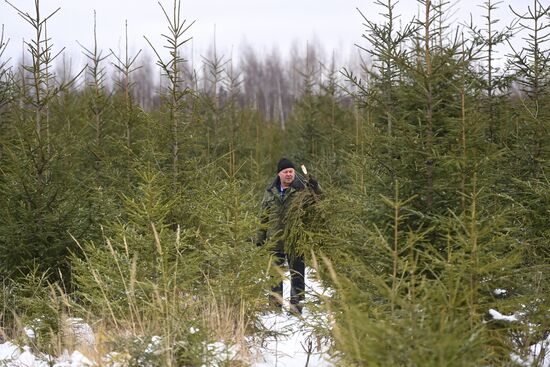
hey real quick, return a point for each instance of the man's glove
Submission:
(313, 183)
(260, 238)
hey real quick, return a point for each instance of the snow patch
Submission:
(12, 355)
(535, 356)
(500, 292)
(498, 316)
(294, 342)
(222, 354)
(76, 359)
(31, 334)
(154, 345)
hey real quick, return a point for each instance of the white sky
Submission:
(264, 24)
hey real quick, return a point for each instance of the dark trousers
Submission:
(297, 267)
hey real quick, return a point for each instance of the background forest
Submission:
(134, 205)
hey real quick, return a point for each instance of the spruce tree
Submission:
(531, 65)
(38, 191)
(5, 87)
(175, 93)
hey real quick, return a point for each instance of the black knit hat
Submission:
(284, 164)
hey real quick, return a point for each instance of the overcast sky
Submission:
(263, 24)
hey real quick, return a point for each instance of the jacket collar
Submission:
(297, 184)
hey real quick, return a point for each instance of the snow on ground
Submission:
(498, 316)
(293, 342)
(539, 355)
(294, 347)
(13, 355)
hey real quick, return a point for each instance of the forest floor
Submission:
(295, 342)
(289, 341)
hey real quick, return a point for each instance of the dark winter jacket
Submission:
(277, 209)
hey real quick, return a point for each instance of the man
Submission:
(281, 204)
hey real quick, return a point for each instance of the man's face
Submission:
(287, 176)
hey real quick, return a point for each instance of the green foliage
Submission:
(435, 189)
(419, 297)
(32, 303)
(168, 255)
(41, 206)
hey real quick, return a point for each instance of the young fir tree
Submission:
(306, 112)
(95, 76)
(381, 95)
(126, 68)
(527, 162)
(212, 103)
(337, 126)
(531, 65)
(38, 190)
(495, 81)
(386, 47)
(397, 292)
(6, 88)
(152, 274)
(403, 277)
(176, 92)
(528, 155)
(138, 276)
